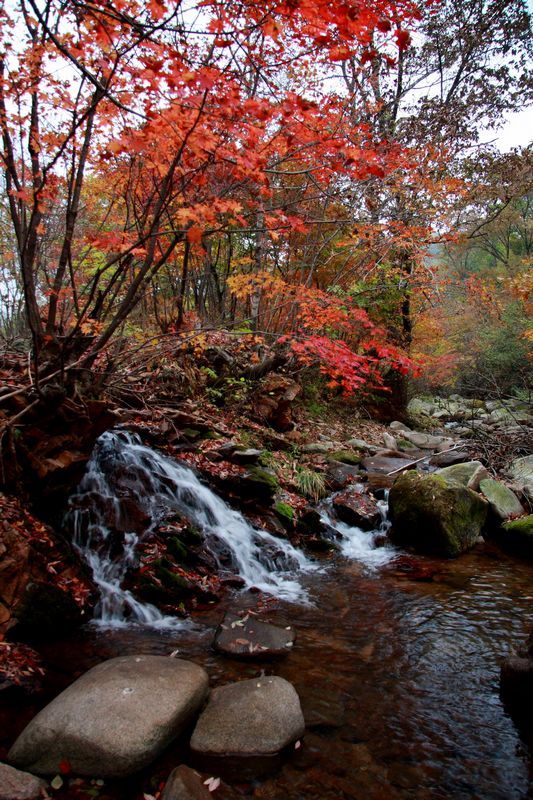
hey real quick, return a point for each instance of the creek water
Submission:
(397, 670)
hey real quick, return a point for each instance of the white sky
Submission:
(517, 132)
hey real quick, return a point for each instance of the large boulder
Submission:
(17, 785)
(433, 516)
(251, 718)
(115, 719)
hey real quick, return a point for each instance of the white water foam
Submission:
(361, 545)
(121, 467)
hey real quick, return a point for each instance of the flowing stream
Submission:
(398, 672)
(122, 470)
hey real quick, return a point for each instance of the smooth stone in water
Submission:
(185, 783)
(115, 719)
(258, 717)
(248, 637)
(17, 785)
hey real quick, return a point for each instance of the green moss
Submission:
(285, 513)
(523, 526)
(177, 549)
(170, 580)
(433, 516)
(264, 476)
(192, 434)
(517, 536)
(346, 457)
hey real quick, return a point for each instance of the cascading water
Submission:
(121, 468)
(362, 545)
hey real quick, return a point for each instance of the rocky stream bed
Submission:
(319, 653)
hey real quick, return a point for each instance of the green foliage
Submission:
(310, 483)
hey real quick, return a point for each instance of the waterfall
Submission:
(362, 545)
(121, 468)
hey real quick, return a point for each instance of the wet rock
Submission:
(517, 536)
(273, 401)
(385, 465)
(185, 783)
(238, 454)
(338, 475)
(358, 509)
(259, 482)
(503, 502)
(17, 785)
(447, 459)
(254, 717)
(285, 514)
(469, 474)
(115, 719)
(45, 608)
(249, 637)
(516, 680)
(433, 516)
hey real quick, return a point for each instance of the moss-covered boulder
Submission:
(517, 536)
(433, 516)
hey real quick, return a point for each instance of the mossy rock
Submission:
(433, 516)
(517, 536)
(171, 589)
(177, 550)
(259, 482)
(345, 457)
(285, 513)
(192, 434)
(404, 444)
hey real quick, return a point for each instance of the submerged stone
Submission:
(249, 637)
(115, 719)
(435, 517)
(250, 718)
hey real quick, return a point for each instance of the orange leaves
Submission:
(194, 234)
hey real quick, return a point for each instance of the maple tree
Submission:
(131, 133)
